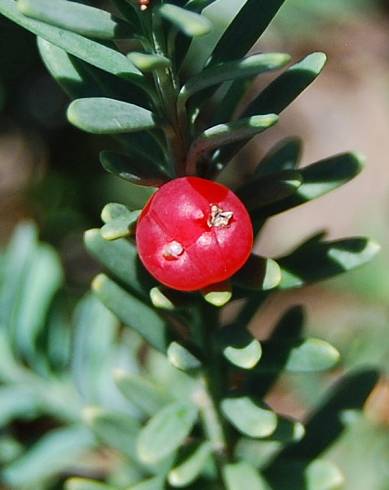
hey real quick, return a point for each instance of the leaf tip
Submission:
(23, 6)
(262, 121)
(90, 235)
(298, 431)
(332, 354)
(90, 413)
(273, 274)
(373, 247)
(218, 298)
(71, 112)
(160, 300)
(98, 282)
(245, 358)
(317, 61)
(181, 358)
(359, 158)
(119, 374)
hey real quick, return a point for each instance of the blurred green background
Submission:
(49, 173)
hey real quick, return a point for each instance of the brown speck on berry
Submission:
(218, 217)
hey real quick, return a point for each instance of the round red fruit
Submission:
(194, 233)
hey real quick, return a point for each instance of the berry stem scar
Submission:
(218, 217)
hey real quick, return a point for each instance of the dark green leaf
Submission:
(127, 13)
(145, 395)
(280, 93)
(132, 312)
(233, 70)
(232, 100)
(101, 115)
(288, 86)
(90, 51)
(134, 169)
(318, 179)
(198, 5)
(228, 133)
(80, 79)
(245, 30)
(189, 23)
(314, 261)
(120, 257)
(327, 175)
(264, 190)
(63, 68)
(284, 156)
(290, 325)
(166, 431)
(75, 17)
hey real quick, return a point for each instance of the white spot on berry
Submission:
(173, 250)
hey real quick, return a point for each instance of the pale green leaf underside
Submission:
(90, 51)
(101, 115)
(82, 19)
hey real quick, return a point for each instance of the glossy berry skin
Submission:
(193, 233)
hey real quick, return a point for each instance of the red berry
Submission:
(193, 233)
